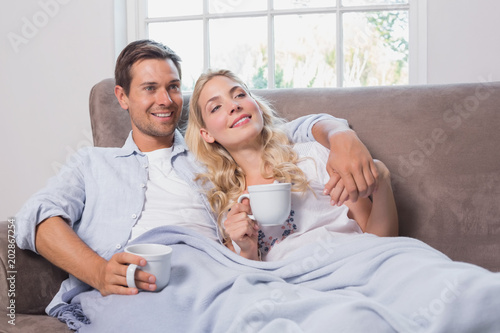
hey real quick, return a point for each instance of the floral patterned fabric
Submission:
(288, 228)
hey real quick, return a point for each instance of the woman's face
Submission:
(232, 117)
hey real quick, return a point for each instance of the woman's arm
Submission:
(379, 217)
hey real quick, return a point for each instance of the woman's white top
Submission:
(312, 219)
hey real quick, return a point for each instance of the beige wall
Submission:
(51, 53)
(463, 42)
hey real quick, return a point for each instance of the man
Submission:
(106, 196)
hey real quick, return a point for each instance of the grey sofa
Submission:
(440, 142)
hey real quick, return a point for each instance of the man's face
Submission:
(154, 103)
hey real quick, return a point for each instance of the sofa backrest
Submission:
(439, 141)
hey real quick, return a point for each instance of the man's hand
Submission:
(350, 165)
(112, 277)
(71, 254)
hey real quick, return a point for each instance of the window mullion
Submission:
(137, 14)
(142, 8)
(271, 57)
(206, 36)
(339, 44)
(418, 42)
(138, 25)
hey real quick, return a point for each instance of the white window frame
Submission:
(131, 24)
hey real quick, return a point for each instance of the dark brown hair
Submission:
(140, 50)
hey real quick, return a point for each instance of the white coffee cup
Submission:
(157, 258)
(270, 203)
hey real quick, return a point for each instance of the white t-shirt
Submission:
(312, 218)
(170, 200)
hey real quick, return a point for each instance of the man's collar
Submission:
(179, 144)
(130, 148)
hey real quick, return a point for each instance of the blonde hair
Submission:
(227, 177)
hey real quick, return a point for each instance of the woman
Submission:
(237, 136)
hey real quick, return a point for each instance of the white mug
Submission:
(157, 258)
(270, 203)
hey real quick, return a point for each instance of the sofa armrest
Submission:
(28, 282)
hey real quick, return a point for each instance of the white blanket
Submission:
(359, 284)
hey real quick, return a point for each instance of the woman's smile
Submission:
(241, 120)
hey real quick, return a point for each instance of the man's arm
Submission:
(45, 225)
(57, 242)
(301, 129)
(349, 160)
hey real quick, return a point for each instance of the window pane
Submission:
(169, 8)
(372, 2)
(305, 51)
(241, 46)
(188, 45)
(293, 4)
(231, 6)
(375, 48)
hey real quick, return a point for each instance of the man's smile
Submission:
(162, 115)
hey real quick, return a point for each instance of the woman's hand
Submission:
(243, 230)
(338, 194)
